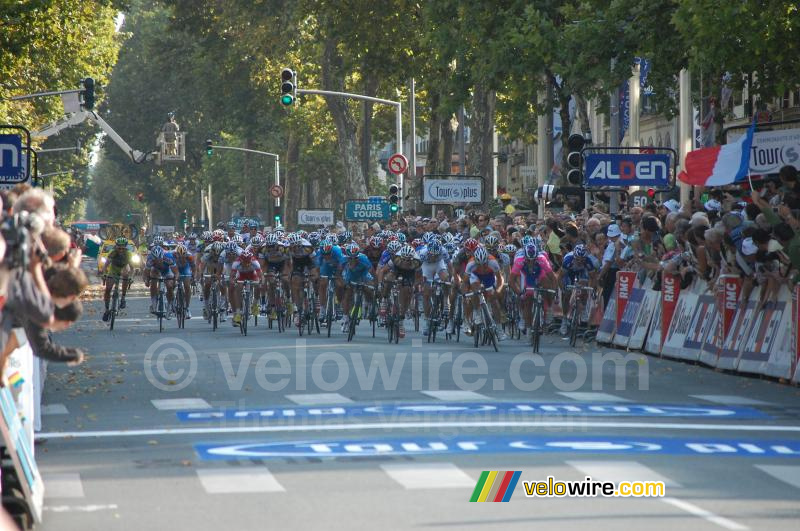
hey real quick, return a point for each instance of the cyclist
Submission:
(231, 228)
(434, 265)
(160, 264)
(184, 260)
(118, 264)
(275, 259)
(356, 268)
(330, 260)
(301, 254)
(244, 268)
(211, 264)
(578, 266)
(529, 271)
(374, 250)
(404, 267)
(484, 270)
(232, 251)
(256, 246)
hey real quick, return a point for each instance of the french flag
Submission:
(719, 165)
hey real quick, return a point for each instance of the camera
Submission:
(19, 231)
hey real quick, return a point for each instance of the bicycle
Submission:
(576, 300)
(329, 305)
(161, 302)
(484, 331)
(247, 296)
(114, 299)
(307, 314)
(372, 312)
(417, 308)
(213, 310)
(279, 303)
(512, 312)
(180, 310)
(393, 317)
(437, 308)
(538, 315)
(457, 316)
(357, 307)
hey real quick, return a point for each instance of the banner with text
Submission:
(450, 191)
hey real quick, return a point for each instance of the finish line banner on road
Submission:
(507, 444)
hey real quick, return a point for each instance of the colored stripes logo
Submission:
(494, 486)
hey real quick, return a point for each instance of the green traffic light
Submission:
(287, 99)
(393, 208)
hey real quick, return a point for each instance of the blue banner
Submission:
(366, 211)
(628, 169)
(12, 159)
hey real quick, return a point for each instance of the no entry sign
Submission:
(398, 163)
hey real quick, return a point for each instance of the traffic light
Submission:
(209, 147)
(575, 144)
(651, 193)
(140, 197)
(128, 215)
(184, 218)
(394, 198)
(288, 88)
(88, 93)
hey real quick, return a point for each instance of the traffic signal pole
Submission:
(398, 122)
(277, 163)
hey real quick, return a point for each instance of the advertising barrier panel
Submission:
(644, 319)
(625, 326)
(679, 328)
(605, 331)
(732, 343)
(670, 289)
(623, 288)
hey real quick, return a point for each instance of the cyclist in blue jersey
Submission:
(578, 266)
(160, 264)
(356, 268)
(329, 258)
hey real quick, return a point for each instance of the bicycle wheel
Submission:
(179, 305)
(536, 329)
(489, 328)
(329, 314)
(114, 298)
(161, 312)
(301, 320)
(245, 313)
(214, 308)
(415, 313)
(573, 325)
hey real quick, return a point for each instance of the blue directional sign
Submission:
(508, 444)
(12, 160)
(366, 211)
(628, 169)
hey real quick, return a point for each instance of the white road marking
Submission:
(731, 400)
(55, 409)
(238, 480)
(428, 475)
(421, 424)
(702, 513)
(319, 398)
(618, 471)
(79, 508)
(63, 485)
(593, 397)
(180, 403)
(787, 473)
(454, 396)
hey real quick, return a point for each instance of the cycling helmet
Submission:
(531, 251)
(218, 235)
(192, 236)
(450, 248)
(491, 241)
(231, 225)
(416, 243)
(158, 240)
(302, 234)
(272, 239)
(180, 250)
(293, 238)
(207, 235)
(237, 239)
(481, 256)
(246, 256)
(352, 250)
(526, 240)
(217, 247)
(326, 247)
(579, 251)
(394, 246)
(428, 237)
(122, 242)
(279, 233)
(392, 237)
(232, 247)
(509, 248)
(376, 242)
(157, 253)
(458, 238)
(448, 237)
(434, 248)
(257, 241)
(471, 244)
(314, 238)
(407, 252)
(539, 243)
(401, 237)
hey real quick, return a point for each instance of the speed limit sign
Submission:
(638, 198)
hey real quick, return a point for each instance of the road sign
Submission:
(276, 191)
(638, 198)
(12, 160)
(366, 211)
(627, 169)
(315, 217)
(397, 164)
(449, 191)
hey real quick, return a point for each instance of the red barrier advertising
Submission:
(670, 289)
(731, 288)
(625, 281)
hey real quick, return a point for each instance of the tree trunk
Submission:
(333, 79)
(582, 114)
(293, 184)
(481, 123)
(566, 126)
(433, 158)
(448, 144)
